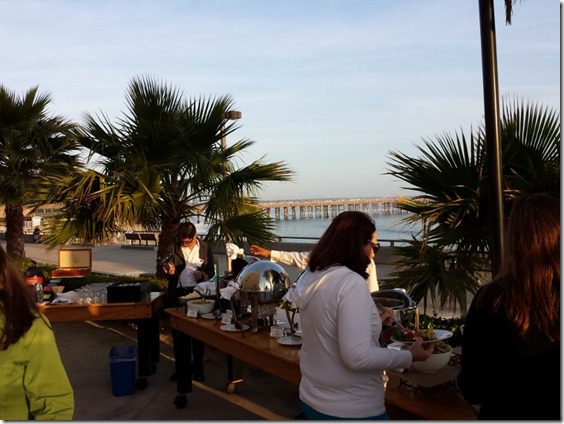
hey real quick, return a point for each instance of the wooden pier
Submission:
(328, 208)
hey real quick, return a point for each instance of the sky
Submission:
(330, 87)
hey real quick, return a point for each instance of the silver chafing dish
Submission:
(261, 286)
(403, 307)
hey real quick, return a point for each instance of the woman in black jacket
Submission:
(511, 345)
(191, 263)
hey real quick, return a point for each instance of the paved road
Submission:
(117, 260)
(110, 259)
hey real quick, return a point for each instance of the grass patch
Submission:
(75, 283)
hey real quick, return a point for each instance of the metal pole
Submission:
(493, 139)
(229, 115)
(223, 138)
(228, 268)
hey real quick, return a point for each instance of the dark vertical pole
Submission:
(491, 112)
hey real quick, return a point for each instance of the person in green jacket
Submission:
(33, 381)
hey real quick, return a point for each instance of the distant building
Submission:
(32, 219)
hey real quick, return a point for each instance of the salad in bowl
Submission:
(406, 335)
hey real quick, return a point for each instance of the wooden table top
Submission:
(437, 403)
(103, 311)
(257, 349)
(260, 350)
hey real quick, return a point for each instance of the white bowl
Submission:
(204, 306)
(435, 362)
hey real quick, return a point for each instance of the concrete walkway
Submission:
(85, 348)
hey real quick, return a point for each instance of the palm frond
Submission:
(163, 162)
(251, 227)
(452, 193)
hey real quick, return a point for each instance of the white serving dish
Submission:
(435, 362)
(204, 306)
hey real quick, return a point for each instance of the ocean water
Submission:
(388, 226)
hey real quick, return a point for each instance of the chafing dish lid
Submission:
(263, 277)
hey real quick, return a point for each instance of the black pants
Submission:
(188, 354)
(189, 360)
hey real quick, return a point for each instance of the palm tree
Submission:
(32, 145)
(452, 201)
(163, 163)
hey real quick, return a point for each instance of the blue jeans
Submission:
(312, 414)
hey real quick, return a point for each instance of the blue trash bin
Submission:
(122, 368)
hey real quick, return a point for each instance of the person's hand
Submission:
(259, 251)
(420, 351)
(169, 268)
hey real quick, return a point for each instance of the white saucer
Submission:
(440, 335)
(208, 316)
(230, 328)
(289, 341)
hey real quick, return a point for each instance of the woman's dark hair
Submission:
(530, 269)
(343, 243)
(186, 230)
(17, 303)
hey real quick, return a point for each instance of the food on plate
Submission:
(435, 362)
(441, 347)
(407, 335)
(190, 296)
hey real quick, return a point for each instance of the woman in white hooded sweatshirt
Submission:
(341, 361)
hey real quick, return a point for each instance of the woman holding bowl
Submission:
(341, 360)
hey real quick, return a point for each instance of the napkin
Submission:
(187, 278)
(233, 251)
(61, 300)
(206, 286)
(290, 297)
(227, 292)
(72, 296)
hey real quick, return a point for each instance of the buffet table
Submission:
(144, 313)
(263, 352)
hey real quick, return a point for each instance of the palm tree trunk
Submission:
(15, 230)
(167, 240)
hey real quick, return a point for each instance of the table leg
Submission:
(229, 368)
(231, 386)
(143, 352)
(155, 342)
